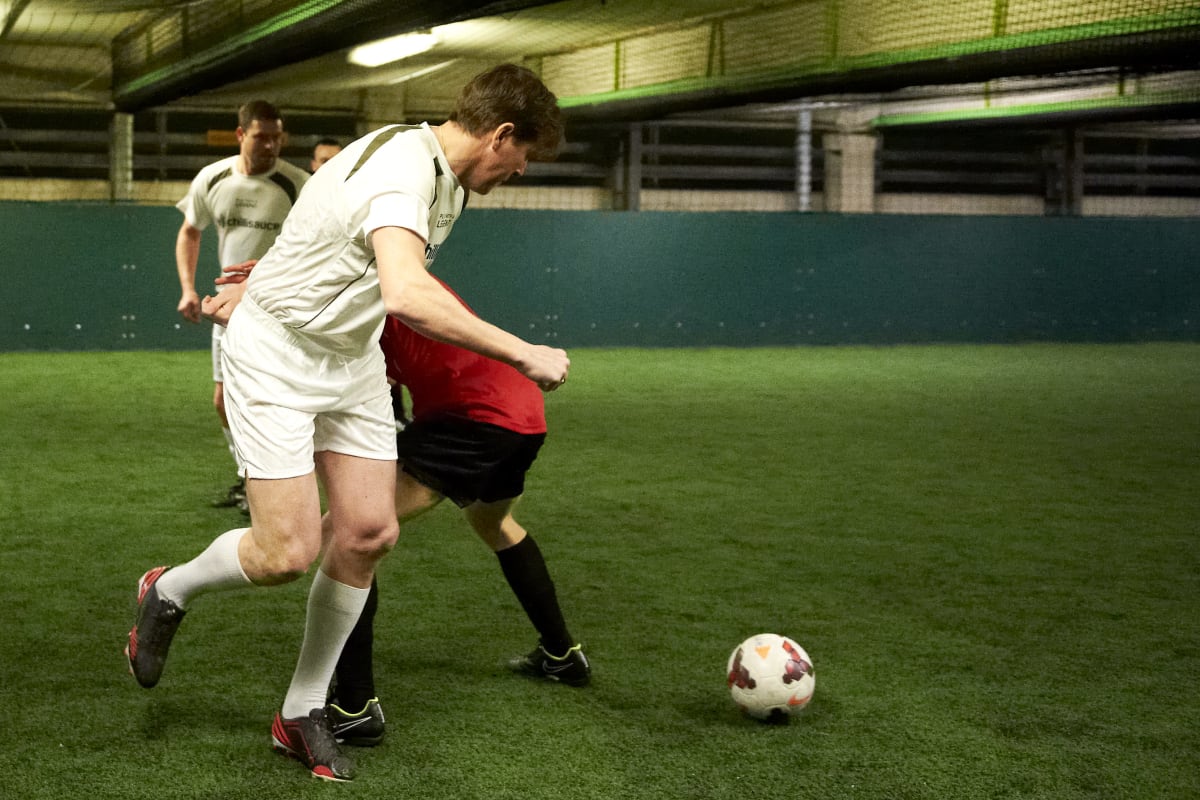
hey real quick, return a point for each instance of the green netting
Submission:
(849, 45)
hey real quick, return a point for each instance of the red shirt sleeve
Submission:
(444, 380)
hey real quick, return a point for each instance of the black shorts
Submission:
(467, 460)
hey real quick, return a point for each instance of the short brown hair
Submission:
(511, 93)
(257, 109)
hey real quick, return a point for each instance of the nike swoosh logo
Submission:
(554, 669)
(345, 726)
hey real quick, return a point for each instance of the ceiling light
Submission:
(423, 71)
(394, 48)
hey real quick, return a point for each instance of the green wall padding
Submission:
(710, 279)
(94, 277)
(102, 277)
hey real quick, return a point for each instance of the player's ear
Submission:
(506, 130)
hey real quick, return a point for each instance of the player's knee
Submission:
(385, 538)
(497, 534)
(375, 541)
(289, 561)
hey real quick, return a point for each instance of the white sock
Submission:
(216, 569)
(333, 611)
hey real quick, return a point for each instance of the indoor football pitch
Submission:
(992, 554)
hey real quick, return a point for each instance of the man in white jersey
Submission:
(306, 390)
(247, 197)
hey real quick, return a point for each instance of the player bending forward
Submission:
(306, 386)
(477, 427)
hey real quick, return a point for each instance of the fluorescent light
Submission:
(408, 76)
(394, 48)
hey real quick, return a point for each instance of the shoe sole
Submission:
(536, 674)
(285, 750)
(360, 741)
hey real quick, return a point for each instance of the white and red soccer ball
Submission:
(770, 677)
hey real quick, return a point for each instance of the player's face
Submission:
(260, 144)
(321, 154)
(505, 158)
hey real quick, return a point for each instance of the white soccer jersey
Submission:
(320, 278)
(248, 210)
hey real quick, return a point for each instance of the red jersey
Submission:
(444, 380)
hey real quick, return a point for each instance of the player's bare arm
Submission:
(187, 253)
(411, 295)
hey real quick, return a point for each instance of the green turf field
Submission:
(990, 553)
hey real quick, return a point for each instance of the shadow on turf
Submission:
(192, 715)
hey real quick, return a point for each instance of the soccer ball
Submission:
(770, 677)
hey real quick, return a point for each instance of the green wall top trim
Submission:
(1038, 109)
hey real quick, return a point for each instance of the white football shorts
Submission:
(287, 399)
(218, 333)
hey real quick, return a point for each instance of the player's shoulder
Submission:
(291, 171)
(213, 176)
(217, 168)
(404, 142)
(397, 159)
(397, 132)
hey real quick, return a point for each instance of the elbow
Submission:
(405, 305)
(395, 296)
(397, 305)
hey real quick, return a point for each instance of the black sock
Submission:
(526, 572)
(354, 677)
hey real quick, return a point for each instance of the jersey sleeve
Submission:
(395, 186)
(397, 210)
(194, 204)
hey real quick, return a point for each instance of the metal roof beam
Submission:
(179, 52)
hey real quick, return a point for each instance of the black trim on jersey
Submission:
(287, 184)
(379, 141)
(282, 181)
(437, 173)
(386, 136)
(220, 176)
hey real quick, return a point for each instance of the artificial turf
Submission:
(990, 553)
